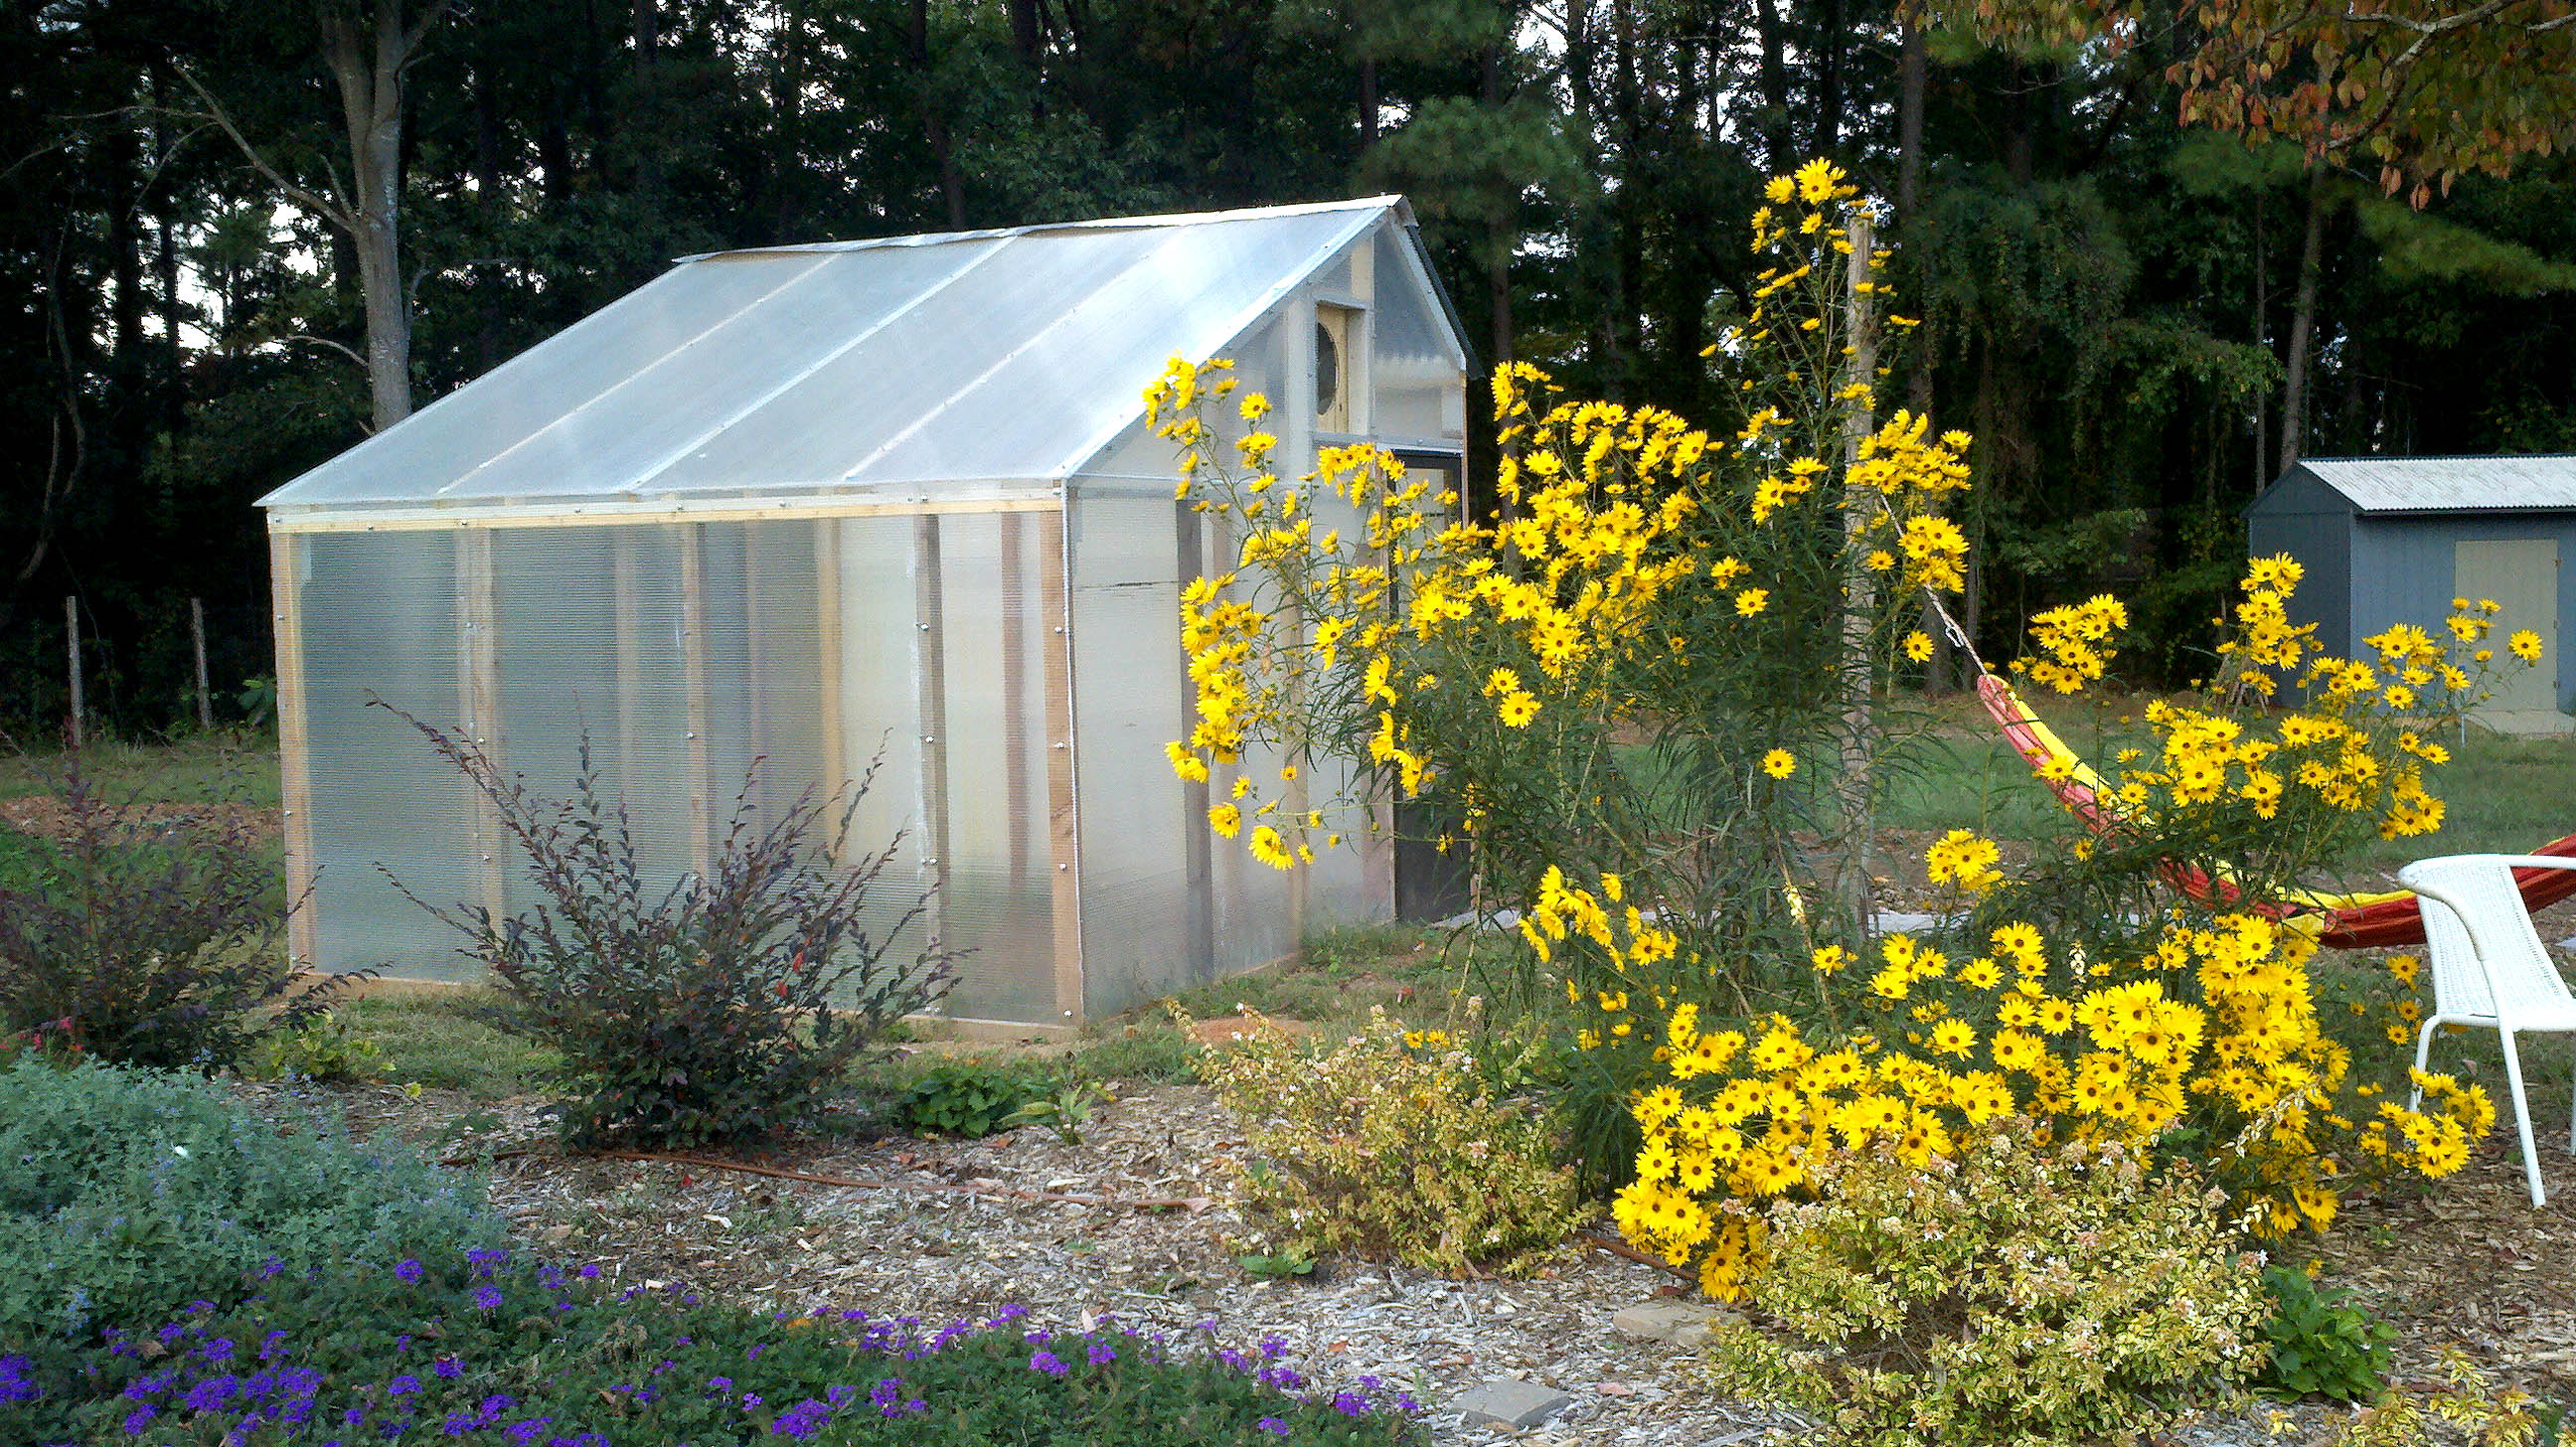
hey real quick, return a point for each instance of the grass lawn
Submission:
(2505, 795)
(227, 763)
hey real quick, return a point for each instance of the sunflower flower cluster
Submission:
(2342, 750)
(1636, 573)
(2216, 1025)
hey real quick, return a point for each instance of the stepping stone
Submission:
(1508, 1403)
(1682, 1323)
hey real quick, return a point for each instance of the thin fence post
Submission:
(197, 635)
(1859, 734)
(71, 652)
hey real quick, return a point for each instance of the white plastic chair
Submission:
(2489, 967)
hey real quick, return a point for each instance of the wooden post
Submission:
(693, 676)
(930, 676)
(71, 652)
(294, 759)
(478, 670)
(624, 590)
(827, 659)
(1200, 912)
(197, 635)
(1860, 589)
(1015, 693)
(1063, 831)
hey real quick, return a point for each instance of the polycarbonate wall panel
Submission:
(379, 619)
(999, 899)
(607, 361)
(1129, 701)
(1416, 377)
(586, 637)
(687, 652)
(879, 653)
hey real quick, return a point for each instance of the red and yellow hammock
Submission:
(2344, 921)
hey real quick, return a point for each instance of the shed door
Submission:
(2522, 575)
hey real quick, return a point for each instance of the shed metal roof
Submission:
(915, 365)
(2527, 483)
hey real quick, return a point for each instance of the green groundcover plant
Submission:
(130, 1193)
(484, 1348)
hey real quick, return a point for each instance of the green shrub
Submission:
(487, 1351)
(971, 1097)
(2322, 1344)
(730, 1004)
(330, 1049)
(125, 1193)
(1380, 1147)
(152, 931)
(2017, 1293)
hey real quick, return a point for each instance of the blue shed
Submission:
(2390, 540)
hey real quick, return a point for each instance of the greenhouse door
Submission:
(1431, 883)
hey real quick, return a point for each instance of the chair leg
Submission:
(2522, 1120)
(2423, 1051)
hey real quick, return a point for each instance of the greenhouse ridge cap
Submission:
(1106, 223)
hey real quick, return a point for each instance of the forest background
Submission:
(236, 235)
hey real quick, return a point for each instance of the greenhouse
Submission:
(819, 507)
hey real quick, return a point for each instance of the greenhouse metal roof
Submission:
(911, 366)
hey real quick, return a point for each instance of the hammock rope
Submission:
(2341, 921)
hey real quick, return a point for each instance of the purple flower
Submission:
(218, 1350)
(487, 1298)
(212, 1393)
(1350, 1404)
(403, 1386)
(720, 1384)
(1272, 1424)
(1102, 1354)
(409, 1273)
(750, 1399)
(1274, 1347)
(448, 1368)
(140, 1418)
(590, 1273)
(802, 1420)
(528, 1431)
(14, 1386)
(1048, 1363)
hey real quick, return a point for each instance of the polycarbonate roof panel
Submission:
(976, 357)
(2443, 484)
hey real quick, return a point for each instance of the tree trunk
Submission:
(2303, 313)
(1505, 237)
(1829, 81)
(1368, 103)
(1855, 788)
(487, 198)
(369, 70)
(934, 127)
(787, 107)
(644, 126)
(1776, 146)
